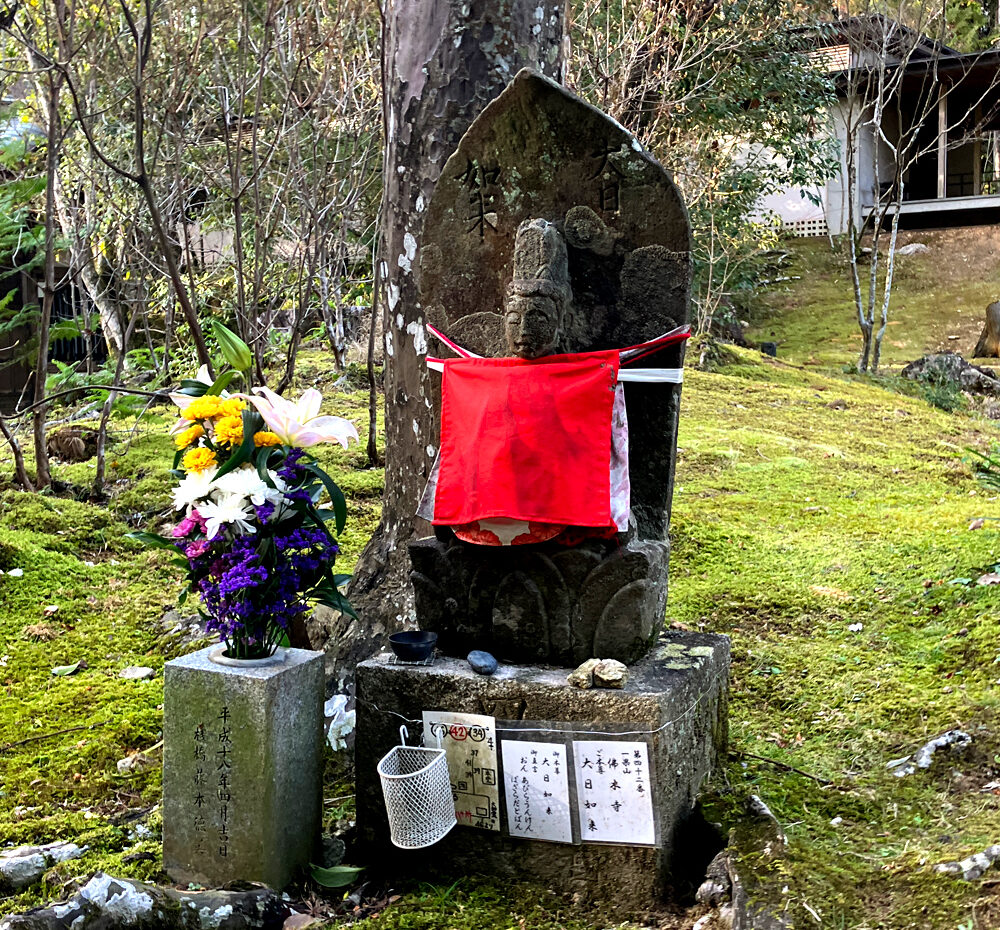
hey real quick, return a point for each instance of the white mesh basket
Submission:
(417, 790)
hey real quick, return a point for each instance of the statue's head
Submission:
(539, 294)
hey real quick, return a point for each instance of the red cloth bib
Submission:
(527, 440)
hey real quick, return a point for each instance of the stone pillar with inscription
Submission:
(242, 767)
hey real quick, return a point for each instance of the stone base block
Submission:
(679, 690)
(242, 768)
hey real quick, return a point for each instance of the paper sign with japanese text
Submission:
(614, 793)
(536, 789)
(470, 743)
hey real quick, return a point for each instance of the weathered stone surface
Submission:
(744, 896)
(973, 866)
(552, 230)
(544, 603)
(957, 742)
(610, 673)
(134, 762)
(25, 865)
(583, 675)
(687, 692)
(914, 248)
(136, 673)
(482, 662)
(988, 345)
(242, 767)
(107, 903)
(950, 368)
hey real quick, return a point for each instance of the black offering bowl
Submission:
(413, 645)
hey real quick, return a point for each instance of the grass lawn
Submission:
(808, 502)
(938, 303)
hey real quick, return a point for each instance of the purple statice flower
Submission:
(306, 549)
(254, 585)
(291, 471)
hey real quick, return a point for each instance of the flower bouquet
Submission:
(256, 511)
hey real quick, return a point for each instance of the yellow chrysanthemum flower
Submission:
(190, 436)
(231, 407)
(200, 459)
(203, 408)
(265, 438)
(229, 430)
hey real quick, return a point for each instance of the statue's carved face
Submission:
(531, 325)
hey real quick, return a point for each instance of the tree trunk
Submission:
(989, 342)
(43, 477)
(443, 61)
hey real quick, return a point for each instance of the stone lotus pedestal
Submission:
(242, 767)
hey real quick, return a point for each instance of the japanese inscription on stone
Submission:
(481, 187)
(608, 176)
(536, 788)
(211, 785)
(224, 767)
(470, 743)
(199, 784)
(613, 792)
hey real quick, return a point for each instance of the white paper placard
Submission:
(470, 743)
(536, 788)
(613, 792)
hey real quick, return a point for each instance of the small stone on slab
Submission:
(482, 662)
(583, 675)
(610, 673)
(136, 673)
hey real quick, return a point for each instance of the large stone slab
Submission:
(680, 690)
(242, 768)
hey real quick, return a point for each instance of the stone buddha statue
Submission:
(552, 231)
(539, 293)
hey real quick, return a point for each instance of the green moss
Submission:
(815, 519)
(806, 502)
(473, 903)
(61, 737)
(938, 301)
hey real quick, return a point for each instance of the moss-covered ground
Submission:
(820, 520)
(938, 299)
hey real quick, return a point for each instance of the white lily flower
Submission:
(194, 486)
(340, 721)
(231, 511)
(299, 424)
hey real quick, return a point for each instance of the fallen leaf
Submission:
(988, 578)
(63, 670)
(51, 609)
(340, 876)
(977, 524)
